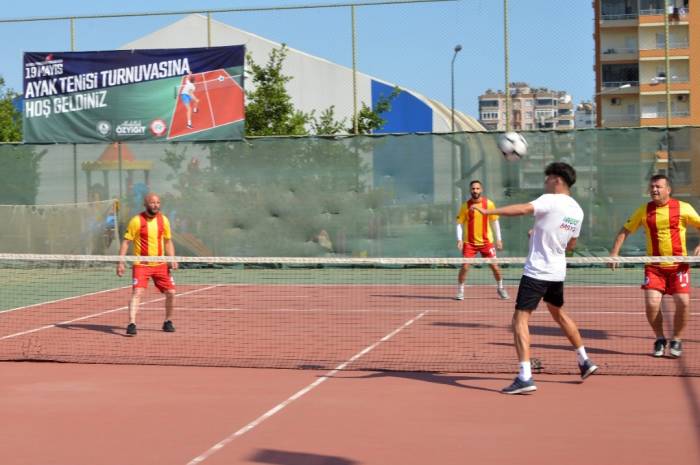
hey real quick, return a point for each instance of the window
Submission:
(488, 103)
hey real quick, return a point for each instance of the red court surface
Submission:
(220, 103)
(76, 414)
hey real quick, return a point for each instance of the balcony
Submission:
(619, 54)
(620, 87)
(657, 84)
(682, 43)
(620, 120)
(619, 16)
(662, 114)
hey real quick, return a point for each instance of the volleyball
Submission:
(512, 145)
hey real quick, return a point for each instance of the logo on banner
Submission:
(130, 128)
(104, 128)
(46, 68)
(158, 127)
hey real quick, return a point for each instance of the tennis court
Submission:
(382, 365)
(276, 313)
(115, 414)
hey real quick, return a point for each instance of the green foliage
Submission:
(10, 118)
(368, 119)
(19, 164)
(326, 124)
(270, 111)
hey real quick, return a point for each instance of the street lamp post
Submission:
(457, 49)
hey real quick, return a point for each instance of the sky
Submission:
(409, 45)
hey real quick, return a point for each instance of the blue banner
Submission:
(117, 95)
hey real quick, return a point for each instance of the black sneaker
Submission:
(587, 368)
(675, 348)
(519, 386)
(659, 347)
(168, 326)
(131, 329)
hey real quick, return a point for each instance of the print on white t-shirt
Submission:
(558, 219)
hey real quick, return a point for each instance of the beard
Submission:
(152, 211)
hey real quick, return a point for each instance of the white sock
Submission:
(461, 287)
(581, 355)
(499, 284)
(525, 371)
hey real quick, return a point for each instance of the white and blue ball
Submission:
(512, 145)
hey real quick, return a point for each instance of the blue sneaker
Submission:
(587, 368)
(675, 348)
(659, 347)
(519, 386)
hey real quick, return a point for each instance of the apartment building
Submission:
(631, 82)
(585, 115)
(630, 64)
(531, 109)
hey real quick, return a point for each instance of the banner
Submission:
(126, 95)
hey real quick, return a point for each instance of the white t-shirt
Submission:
(558, 218)
(188, 88)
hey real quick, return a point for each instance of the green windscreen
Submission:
(364, 196)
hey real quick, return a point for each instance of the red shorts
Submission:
(671, 280)
(486, 250)
(160, 274)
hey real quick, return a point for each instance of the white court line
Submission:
(276, 409)
(54, 325)
(63, 299)
(211, 109)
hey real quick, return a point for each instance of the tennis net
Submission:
(325, 313)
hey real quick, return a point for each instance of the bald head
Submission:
(151, 203)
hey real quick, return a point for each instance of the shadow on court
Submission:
(107, 329)
(283, 457)
(694, 403)
(456, 380)
(568, 348)
(463, 325)
(412, 296)
(429, 377)
(556, 331)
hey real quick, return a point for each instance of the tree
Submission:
(370, 119)
(10, 118)
(19, 164)
(270, 111)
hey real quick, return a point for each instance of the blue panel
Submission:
(408, 114)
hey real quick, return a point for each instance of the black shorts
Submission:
(531, 290)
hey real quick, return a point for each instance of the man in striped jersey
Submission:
(151, 235)
(664, 220)
(475, 234)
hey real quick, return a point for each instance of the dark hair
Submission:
(659, 177)
(565, 171)
(474, 182)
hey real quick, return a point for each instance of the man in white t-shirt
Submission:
(558, 220)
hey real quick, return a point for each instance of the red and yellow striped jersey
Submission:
(148, 235)
(476, 227)
(665, 226)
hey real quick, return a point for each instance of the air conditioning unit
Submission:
(682, 97)
(616, 101)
